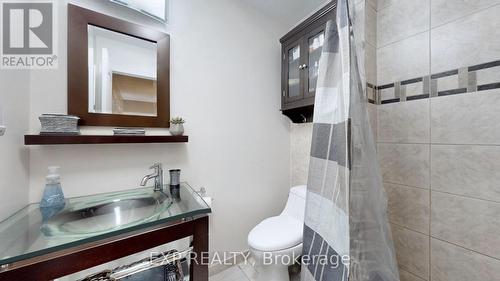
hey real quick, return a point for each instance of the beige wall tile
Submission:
(373, 3)
(408, 206)
(406, 164)
(488, 75)
(301, 135)
(406, 276)
(404, 59)
(447, 83)
(452, 263)
(468, 41)
(407, 122)
(466, 170)
(466, 34)
(371, 25)
(402, 19)
(444, 11)
(471, 223)
(414, 89)
(412, 251)
(466, 118)
(387, 94)
(381, 4)
(371, 64)
(372, 114)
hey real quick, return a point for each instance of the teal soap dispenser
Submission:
(53, 196)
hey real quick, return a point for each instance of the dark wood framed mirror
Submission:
(118, 72)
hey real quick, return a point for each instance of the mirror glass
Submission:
(122, 73)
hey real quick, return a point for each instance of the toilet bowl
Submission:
(276, 242)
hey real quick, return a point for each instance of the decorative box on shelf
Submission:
(59, 124)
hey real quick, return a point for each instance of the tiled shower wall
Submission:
(301, 133)
(438, 79)
(438, 132)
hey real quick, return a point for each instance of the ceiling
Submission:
(289, 12)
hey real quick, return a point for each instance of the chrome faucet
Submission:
(157, 175)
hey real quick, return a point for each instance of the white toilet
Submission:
(277, 241)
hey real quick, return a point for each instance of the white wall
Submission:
(13, 154)
(225, 76)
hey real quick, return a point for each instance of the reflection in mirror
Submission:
(122, 73)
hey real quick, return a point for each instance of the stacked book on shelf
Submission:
(59, 124)
(129, 131)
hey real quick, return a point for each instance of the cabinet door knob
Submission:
(301, 67)
(304, 66)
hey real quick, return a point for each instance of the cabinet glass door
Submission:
(315, 45)
(293, 78)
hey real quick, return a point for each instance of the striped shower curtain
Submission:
(346, 231)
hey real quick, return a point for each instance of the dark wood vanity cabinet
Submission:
(301, 51)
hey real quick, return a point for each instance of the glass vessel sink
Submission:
(35, 231)
(102, 213)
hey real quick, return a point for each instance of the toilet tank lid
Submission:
(300, 190)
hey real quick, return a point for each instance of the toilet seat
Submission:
(276, 234)
(276, 242)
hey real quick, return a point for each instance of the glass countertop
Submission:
(35, 231)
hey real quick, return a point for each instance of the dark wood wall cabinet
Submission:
(301, 51)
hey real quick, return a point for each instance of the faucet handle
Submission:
(156, 166)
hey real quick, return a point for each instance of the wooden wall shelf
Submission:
(99, 139)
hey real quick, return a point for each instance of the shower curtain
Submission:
(346, 231)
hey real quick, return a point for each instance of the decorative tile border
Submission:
(481, 77)
(371, 93)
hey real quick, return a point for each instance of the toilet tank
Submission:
(296, 204)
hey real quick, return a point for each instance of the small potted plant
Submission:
(176, 126)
